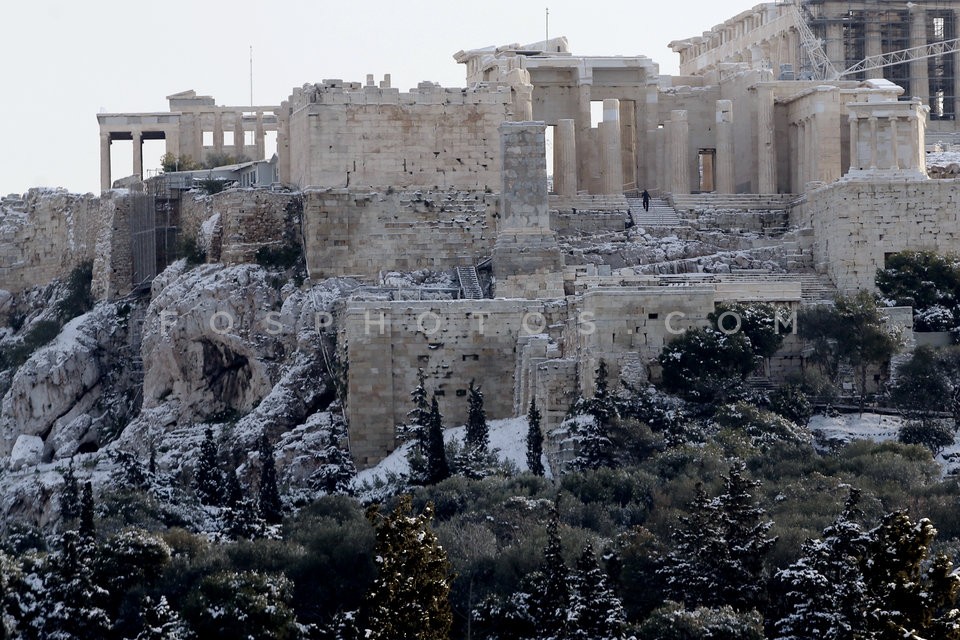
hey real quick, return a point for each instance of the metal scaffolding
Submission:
(881, 38)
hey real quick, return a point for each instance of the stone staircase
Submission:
(661, 214)
(816, 288)
(469, 282)
(733, 201)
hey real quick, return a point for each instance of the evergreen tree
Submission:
(596, 612)
(161, 622)
(823, 591)
(73, 606)
(69, 496)
(410, 596)
(271, 509)
(903, 599)
(88, 529)
(241, 518)
(420, 414)
(208, 477)
(718, 558)
(550, 599)
(534, 441)
(337, 471)
(595, 449)
(437, 467)
(478, 432)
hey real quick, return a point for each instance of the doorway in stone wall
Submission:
(706, 165)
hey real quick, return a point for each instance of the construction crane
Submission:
(904, 55)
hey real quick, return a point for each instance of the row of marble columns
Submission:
(866, 134)
(567, 163)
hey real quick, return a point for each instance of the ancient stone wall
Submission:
(454, 342)
(43, 235)
(359, 232)
(113, 263)
(857, 222)
(256, 218)
(341, 135)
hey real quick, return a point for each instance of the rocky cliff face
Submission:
(236, 347)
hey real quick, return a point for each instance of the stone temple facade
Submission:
(826, 170)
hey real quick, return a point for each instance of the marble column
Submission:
(919, 73)
(238, 137)
(105, 183)
(874, 44)
(583, 135)
(565, 158)
(218, 132)
(894, 145)
(766, 140)
(854, 142)
(835, 45)
(611, 161)
(725, 159)
(259, 138)
(801, 156)
(956, 69)
(873, 142)
(138, 153)
(679, 152)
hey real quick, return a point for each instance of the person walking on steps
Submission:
(646, 200)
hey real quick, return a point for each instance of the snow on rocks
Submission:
(62, 380)
(26, 451)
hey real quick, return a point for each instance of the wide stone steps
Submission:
(469, 283)
(660, 214)
(733, 201)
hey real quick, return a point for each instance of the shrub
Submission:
(705, 365)
(932, 434)
(192, 252)
(286, 256)
(674, 622)
(79, 299)
(792, 403)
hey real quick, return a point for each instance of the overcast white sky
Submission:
(63, 60)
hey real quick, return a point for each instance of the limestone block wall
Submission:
(113, 262)
(628, 329)
(255, 218)
(454, 342)
(857, 222)
(359, 232)
(338, 134)
(44, 234)
(195, 209)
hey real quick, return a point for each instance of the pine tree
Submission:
(241, 519)
(534, 441)
(718, 558)
(271, 509)
(596, 612)
(420, 414)
(550, 600)
(410, 596)
(595, 449)
(208, 477)
(161, 622)
(437, 467)
(337, 471)
(88, 530)
(69, 496)
(904, 600)
(478, 432)
(823, 591)
(74, 603)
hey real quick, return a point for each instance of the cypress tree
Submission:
(550, 601)
(410, 597)
(534, 440)
(596, 612)
(420, 414)
(478, 432)
(69, 496)
(271, 509)
(88, 529)
(208, 477)
(437, 467)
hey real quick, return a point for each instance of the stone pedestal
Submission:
(527, 262)
(565, 158)
(725, 159)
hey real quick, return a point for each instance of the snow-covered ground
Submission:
(875, 427)
(508, 439)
